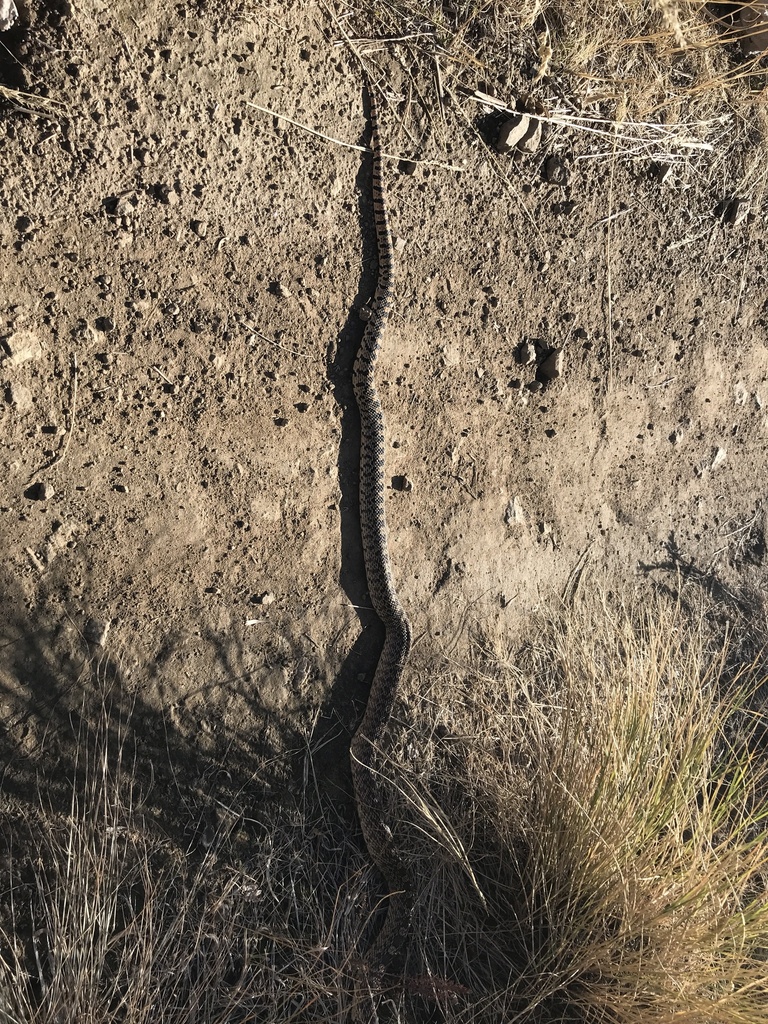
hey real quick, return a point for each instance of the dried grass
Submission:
(588, 823)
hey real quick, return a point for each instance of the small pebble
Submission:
(200, 228)
(552, 367)
(526, 353)
(167, 194)
(95, 631)
(737, 211)
(514, 514)
(266, 599)
(520, 132)
(555, 171)
(41, 491)
(22, 346)
(19, 396)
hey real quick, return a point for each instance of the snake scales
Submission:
(366, 750)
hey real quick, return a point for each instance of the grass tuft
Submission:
(620, 827)
(587, 817)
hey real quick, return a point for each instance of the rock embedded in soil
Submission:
(519, 132)
(514, 514)
(737, 211)
(8, 15)
(19, 397)
(41, 491)
(552, 367)
(21, 347)
(95, 631)
(556, 172)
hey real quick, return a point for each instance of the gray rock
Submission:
(514, 514)
(526, 353)
(41, 491)
(737, 211)
(556, 172)
(520, 132)
(552, 367)
(95, 631)
(20, 397)
(22, 346)
(8, 15)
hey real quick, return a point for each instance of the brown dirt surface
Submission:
(182, 281)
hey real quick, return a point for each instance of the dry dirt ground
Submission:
(182, 279)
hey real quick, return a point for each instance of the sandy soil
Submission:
(181, 286)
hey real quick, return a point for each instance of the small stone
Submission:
(719, 458)
(737, 211)
(167, 194)
(534, 386)
(95, 631)
(526, 353)
(552, 367)
(282, 290)
(122, 207)
(19, 396)
(520, 132)
(22, 346)
(120, 488)
(365, 313)
(8, 15)
(105, 324)
(532, 140)
(399, 244)
(40, 491)
(144, 157)
(513, 514)
(555, 171)
(200, 228)
(266, 599)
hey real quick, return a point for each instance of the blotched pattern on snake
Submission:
(366, 748)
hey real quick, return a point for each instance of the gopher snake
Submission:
(366, 743)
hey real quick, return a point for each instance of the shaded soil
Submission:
(181, 287)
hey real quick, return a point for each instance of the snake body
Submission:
(366, 749)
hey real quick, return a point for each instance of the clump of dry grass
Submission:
(589, 828)
(104, 919)
(630, 61)
(617, 827)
